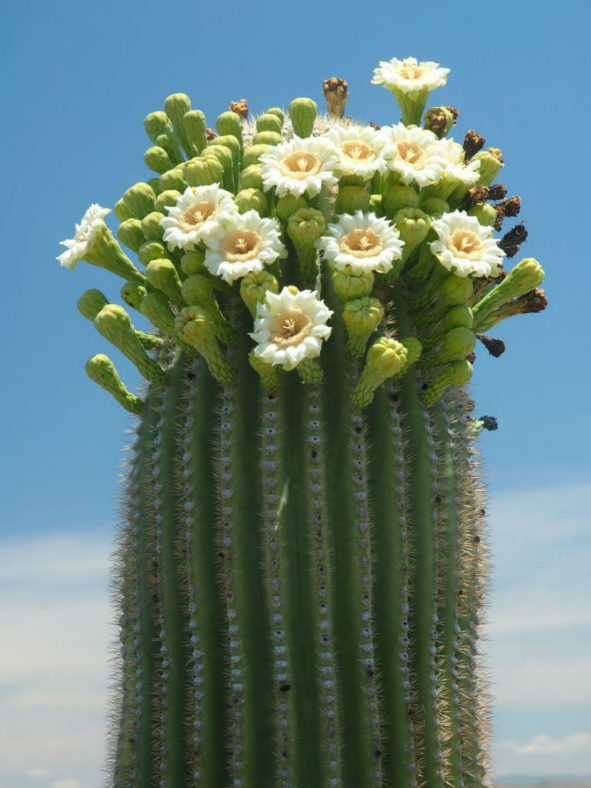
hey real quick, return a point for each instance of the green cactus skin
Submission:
(302, 563)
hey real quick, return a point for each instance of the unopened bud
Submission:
(194, 325)
(162, 274)
(157, 123)
(491, 161)
(287, 205)
(192, 262)
(526, 276)
(204, 171)
(268, 121)
(305, 227)
(133, 294)
(254, 286)
(151, 250)
(195, 126)
(351, 199)
(101, 370)
(397, 197)
(413, 226)
(267, 138)
(384, 359)
(91, 302)
(157, 159)
(455, 344)
(268, 373)
(302, 113)
(486, 214)
(277, 111)
(456, 373)
(229, 124)
(361, 317)
(139, 200)
(151, 228)
(348, 285)
(253, 153)
(336, 93)
(130, 233)
(252, 178)
(251, 200)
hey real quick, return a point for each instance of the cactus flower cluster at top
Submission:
(300, 575)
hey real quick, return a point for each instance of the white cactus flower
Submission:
(195, 215)
(290, 326)
(465, 247)
(242, 243)
(456, 167)
(77, 246)
(300, 166)
(363, 242)
(413, 154)
(409, 76)
(359, 150)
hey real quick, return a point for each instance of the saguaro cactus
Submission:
(302, 559)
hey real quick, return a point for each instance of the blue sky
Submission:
(78, 81)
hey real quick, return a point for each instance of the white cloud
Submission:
(542, 744)
(70, 783)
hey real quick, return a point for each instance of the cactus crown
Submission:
(277, 215)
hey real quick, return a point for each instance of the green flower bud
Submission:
(491, 161)
(251, 177)
(173, 180)
(267, 138)
(176, 106)
(157, 123)
(166, 197)
(527, 275)
(397, 197)
(230, 142)
(192, 262)
(91, 302)
(130, 233)
(455, 344)
(287, 205)
(269, 122)
(384, 359)
(435, 206)
(251, 200)
(194, 126)
(310, 371)
(413, 226)
(197, 291)
(172, 148)
(157, 159)
(435, 299)
(151, 250)
(278, 112)
(439, 120)
(254, 286)
(104, 251)
(202, 172)
(194, 325)
(459, 316)
(223, 153)
(101, 370)
(156, 308)
(414, 348)
(456, 373)
(139, 200)
(348, 285)
(351, 199)
(163, 275)
(229, 123)
(361, 317)
(485, 213)
(121, 211)
(305, 227)
(151, 228)
(302, 113)
(133, 293)
(268, 373)
(114, 324)
(253, 153)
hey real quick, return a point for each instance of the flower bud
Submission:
(278, 112)
(91, 302)
(121, 211)
(413, 226)
(486, 214)
(336, 93)
(310, 371)
(229, 124)
(139, 200)
(130, 233)
(267, 138)
(253, 153)
(455, 344)
(202, 172)
(398, 197)
(351, 199)
(254, 286)
(361, 317)
(302, 113)
(157, 123)
(104, 251)
(269, 122)
(114, 324)
(527, 275)
(163, 275)
(194, 325)
(172, 148)
(491, 161)
(439, 120)
(348, 285)
(157, 159)
(101, 370)
(197, 291)
(305, 227)
(251, 200)
(268, 373)
(194, 126)
(165, 198)
(173, 179)
(132, 293)
(251, 177)
(151, 227)
(176, 106)
(435, 206)
(288, 204)
(456, 373)
(192, 262)
(151, 250)
(384, 359)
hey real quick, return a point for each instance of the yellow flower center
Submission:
(410, 72)
(196, 215)
(242, 245)
(412, 154)
(354, 149)
(289, 328)
(301, 164)
(464, 243)
(361, 243)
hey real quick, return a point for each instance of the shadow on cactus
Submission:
(301, 566)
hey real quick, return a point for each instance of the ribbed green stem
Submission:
(205, 720)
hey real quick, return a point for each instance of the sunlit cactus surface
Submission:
(301, 565)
